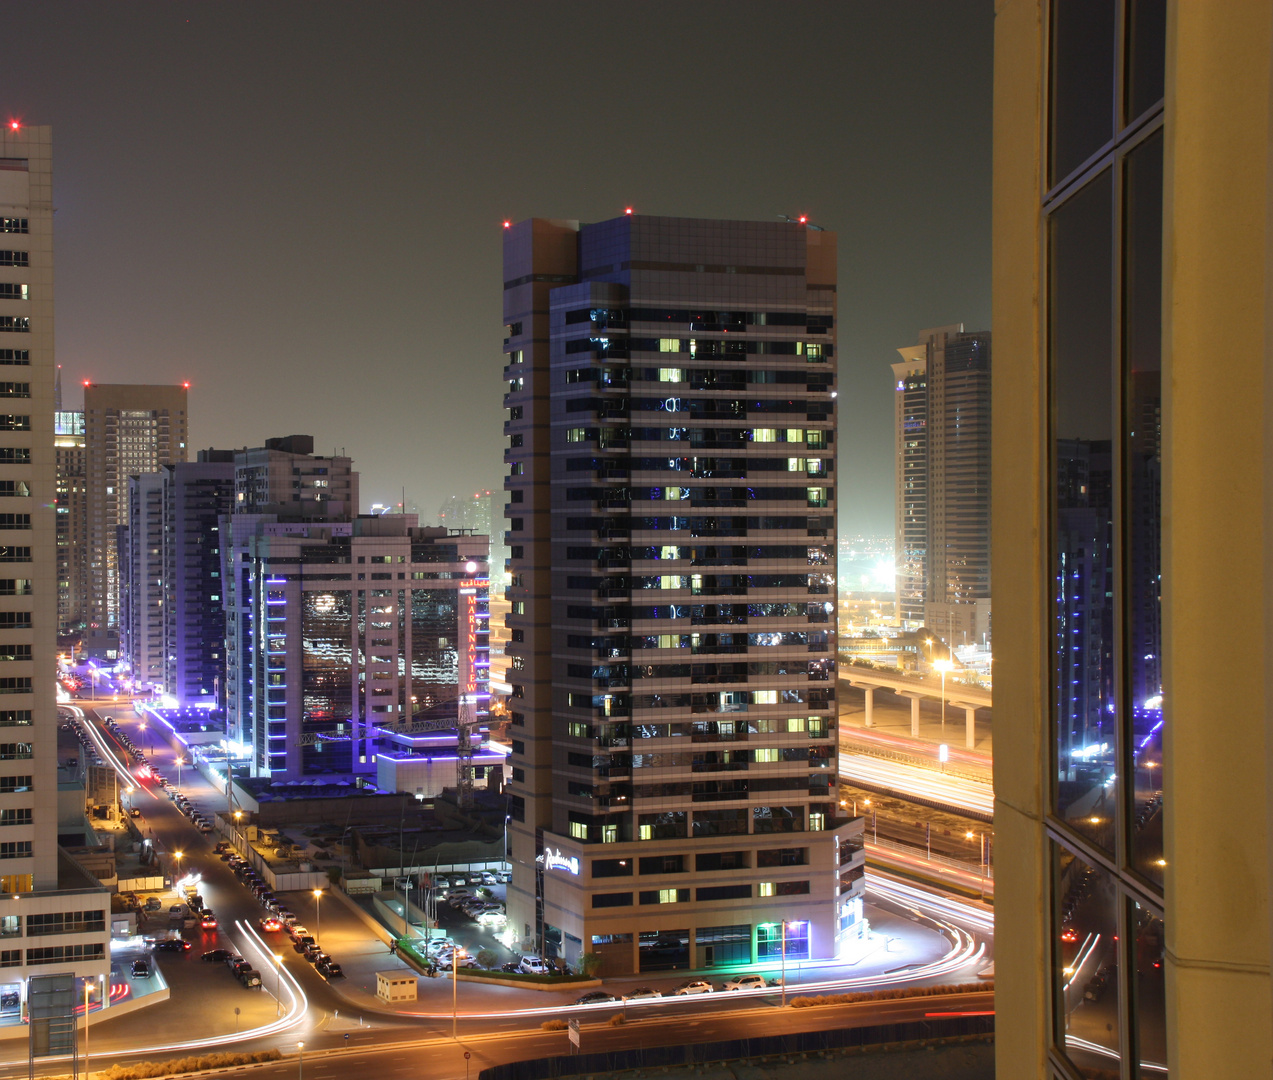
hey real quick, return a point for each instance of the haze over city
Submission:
(297, 207)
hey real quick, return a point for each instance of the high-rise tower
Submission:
(128, 430)
(671, 425)
(942, 441)
(56, 919)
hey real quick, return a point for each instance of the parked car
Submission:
(330, 969)
(250, 978)
(215, 955)
(141, 969)
(312, 952)
(595, 997)
(744, 982)
(489, 879)
(296, 931)
(531, 965)
(233, 959)
(642, 993)
(302, 943)
(693, 986)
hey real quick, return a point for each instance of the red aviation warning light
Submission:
(185, 385)
(804, 219)
(88, 382)
(14, 125)
(508, 224)
(628, 210)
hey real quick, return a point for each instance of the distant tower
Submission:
(128, 430)
(942, 440)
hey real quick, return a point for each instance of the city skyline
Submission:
(255, 265)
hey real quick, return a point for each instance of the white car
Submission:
(744, 982)
(642, 993)
(438, 945)
(532, 965)
(693, 986)
(489, 879)
(492, 918)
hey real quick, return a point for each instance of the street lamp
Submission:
(178, 855)
(300, 1061)
(456, 953)
(278, 983)
(943, 666)
(318, 921)
(181, 761)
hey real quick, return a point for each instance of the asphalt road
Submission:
(442, 1058)
(205, 995)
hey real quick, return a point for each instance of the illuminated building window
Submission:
(765, 888)
(669, 344)
(579, 830)
(671, 374)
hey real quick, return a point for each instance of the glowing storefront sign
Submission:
(555, 860)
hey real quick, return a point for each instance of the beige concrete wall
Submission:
(1018, 549)
(1215, 773)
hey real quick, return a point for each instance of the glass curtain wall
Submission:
(1103, 209)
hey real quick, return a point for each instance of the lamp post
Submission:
(456, 953)
(300, 1061)
(943, 666)
(318, 915)
(278, 983)
(784, 963)
(87, 1074)
(181, 761)
(177, 856)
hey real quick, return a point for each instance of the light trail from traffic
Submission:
(902, 779)
(297, 1012)
(943, 912)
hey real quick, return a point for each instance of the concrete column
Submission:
(915, 717)
(970, 737)
(870, 705)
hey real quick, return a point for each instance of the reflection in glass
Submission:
(1146, 54)
(1082, 382)
(1082, 81)
(1142, 364)
(1149, 995)
(1085, 966)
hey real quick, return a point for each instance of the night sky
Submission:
(298, 206)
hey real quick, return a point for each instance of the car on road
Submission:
(269, 925)
(179, 945)
(208, 921)
(532, 965)
(744, 982)
(330, 969)
(642, 993)
(693, 986)
(141, 969)
(596, 997)
(216, 955)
